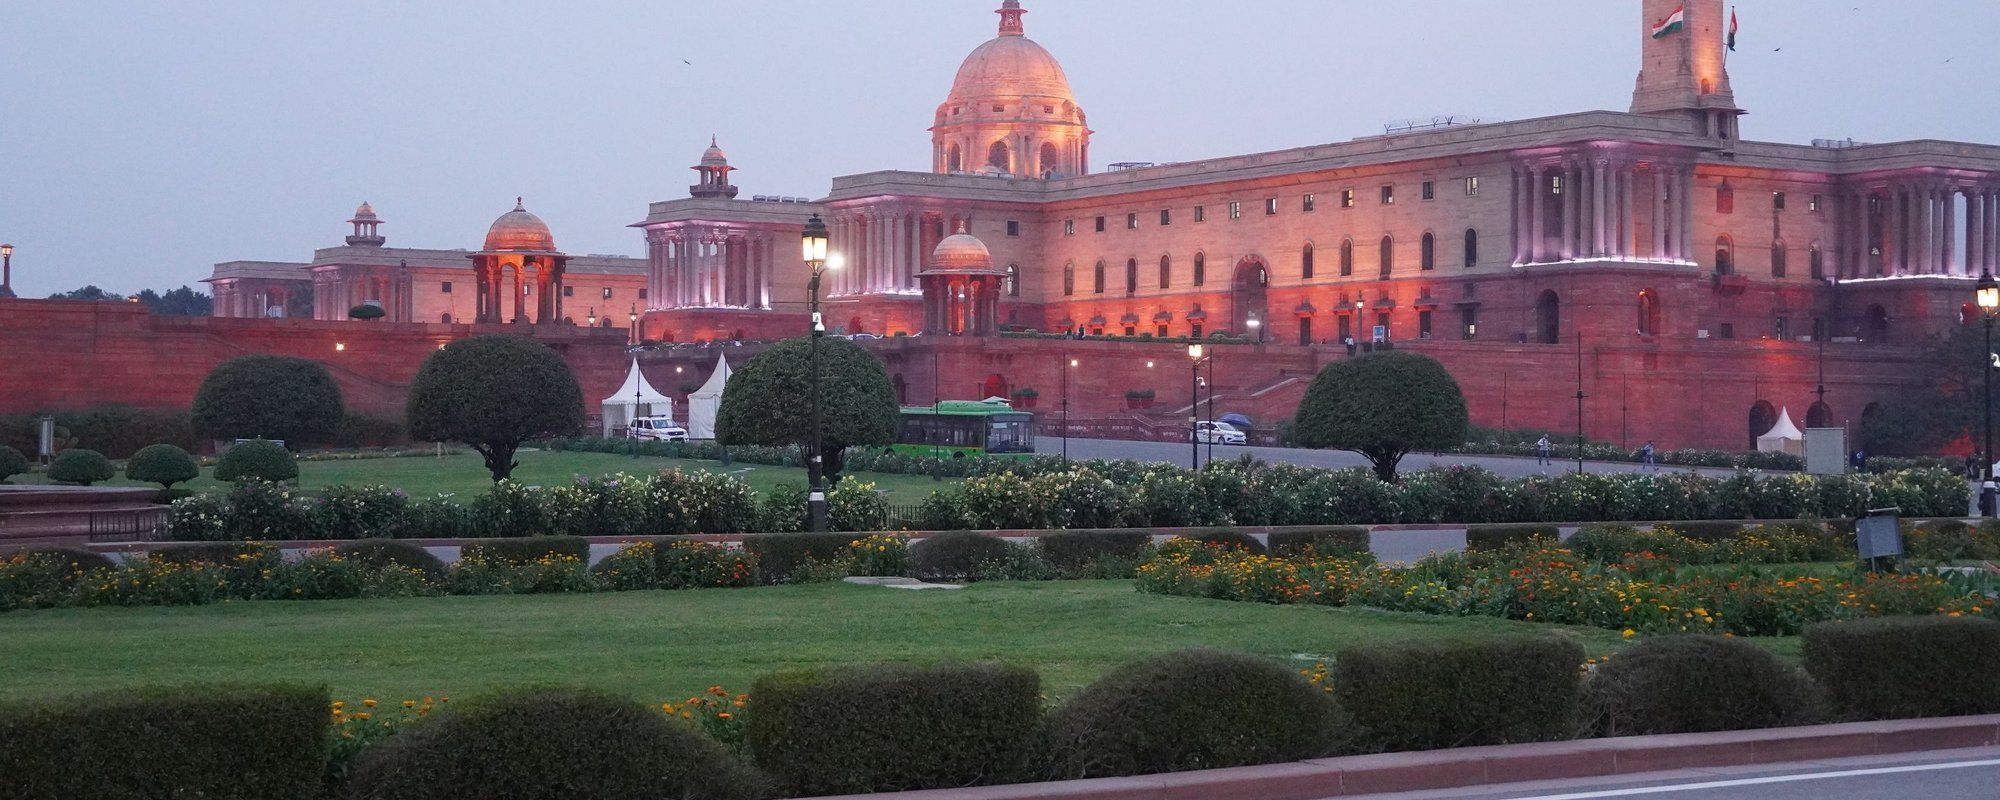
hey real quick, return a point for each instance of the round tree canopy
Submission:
(1383, 405)
(269, 397)
(768, 400)
(493, 393)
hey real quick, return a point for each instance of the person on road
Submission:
(1646, 457)
(1543, 450)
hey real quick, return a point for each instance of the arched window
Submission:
(1051, 161)
(1471, 248)
(1875, 325)
(1819, 415)
(1306, 262)
(1200, 268)
(446, 319)
(1346, 257)
(1013, 280)
(1725, 256)
(1548, 317)
(1427, 251)
(954, 160)
(1097, 279)
(1388, 254)
(1069, 279)
(1725, 198)
(1649, 313)
(998, 157)
(1778, 259)
(1131, 277)
(1816, 263)
(1762, 419)
(1166, 272)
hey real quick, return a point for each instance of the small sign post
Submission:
(1877, 536)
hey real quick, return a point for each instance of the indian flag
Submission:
(1672, 24)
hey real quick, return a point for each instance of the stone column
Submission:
(1517, 215)
(1600, 239)
(1686, 188)
(1992, 206)
(1948, 255)
(1567, 247)
(1975, 231)
(1659, 245)
(1538, 217)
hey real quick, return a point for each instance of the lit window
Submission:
(1424, 324)
(1270, 206)
(607, 292)
(1201, 213)
(1429, 190)
(1132, 221)
(1235, 210)
(1347, 198)
(1777, 201)
(1813, 205)
(1308, 204)
(1166, 217)
(1556, 184)
(1472, 186)
(1388, 195)
(1069, 227)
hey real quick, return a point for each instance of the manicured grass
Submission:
(658, 646)
(464, 474)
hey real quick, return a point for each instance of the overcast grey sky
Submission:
(140, 142)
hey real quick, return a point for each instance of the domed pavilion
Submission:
(519, 260)
(1011, 111)
(961, 288)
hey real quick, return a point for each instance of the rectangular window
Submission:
(1201, 213)
(1346, 329)
(1100, 224)
(1196, 329)
(607, 292)
(1472, 186)
(1132, 221)
(1270, 206)
(1235, 210)
(1307, 204)
(642, 293)
(445, 287)
(1777, 201)
(1069, 227)
(569, 291)
(1162, 331)
(1813, 205)
(1347, 198)
(1726, 330)
(1424, 324)
(1468, 322)
(1166, 217)
(1556, 181)
(1430, 190)
(1013, 227)
(1388, 195)
(1781, 327)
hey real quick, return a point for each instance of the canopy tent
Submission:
(635, 399)
(1783, 437)
(704, 402)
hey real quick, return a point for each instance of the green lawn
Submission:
(659, 646)
(464, 474)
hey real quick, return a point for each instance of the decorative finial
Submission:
(518, 206)
(711, 140)
(1010, 18)
(961, 227)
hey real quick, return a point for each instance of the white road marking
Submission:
(1810, 776)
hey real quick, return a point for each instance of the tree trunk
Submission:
(499, 459)
(1384, 463)
(833, 461)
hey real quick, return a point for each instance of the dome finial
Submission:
(1010, 18)
(517, 204)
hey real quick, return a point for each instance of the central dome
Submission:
(520, 230)
(1010, 112)
(1008, 67)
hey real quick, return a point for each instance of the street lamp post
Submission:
(1988, 295)
(6, 270)
(1068, 364)
(813, 249)
(1257, 325)
(1194, 405)
(634, 317)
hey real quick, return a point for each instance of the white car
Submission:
(661, 429)
(1208, 432)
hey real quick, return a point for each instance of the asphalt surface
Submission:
(1946, 775)
(1177, 453)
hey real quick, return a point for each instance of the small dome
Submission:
(365, 213)
(961, 251)
(520, 230)
(713, 156)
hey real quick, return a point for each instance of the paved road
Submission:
(1177, 453)
(1950, 775)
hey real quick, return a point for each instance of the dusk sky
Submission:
(141, 142)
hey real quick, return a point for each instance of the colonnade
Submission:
(710, 267)
(1583, 207)
(884, 248)
(1912, 227)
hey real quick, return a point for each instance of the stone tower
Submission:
(367, 232)
(714, 170)
(1684, 68)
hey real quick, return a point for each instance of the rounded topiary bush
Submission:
(12, 463)
(268, 397)
(81, 467)
(73, 559)
(955, 555)
(386, 552)
(1697, 684)
(163, 464)
(257, 459)
(1195, 709)
(546, 743)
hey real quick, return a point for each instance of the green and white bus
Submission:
(958, 428)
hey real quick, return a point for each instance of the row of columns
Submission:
(700, 267)
(1027, 155)
(1912, 228)
(1580, 208)
(961, 305)
(495, 281)
(234, 299)
(884, 250)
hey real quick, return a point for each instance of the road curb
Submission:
(1477, 766)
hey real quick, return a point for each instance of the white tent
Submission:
(1783, 436)
(635, 396)
(704, 402)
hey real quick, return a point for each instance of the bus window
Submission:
(1010, 435)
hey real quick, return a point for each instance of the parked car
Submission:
(660, 429)
(1212, 432)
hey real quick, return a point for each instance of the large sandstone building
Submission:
(1705, 276)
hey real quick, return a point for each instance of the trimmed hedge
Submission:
(1697, 684)
(12, 462)
(954, 555)
(257, 459)
(1709, 530)
(550, 743)
(385, 552)
(891, 727)
(1495, 537)
(218, 553)
(528, 549)
(782, 556)
(1338, 540)
(216, 744)
(73, 559)
(1228, 537)
(81, 467)
(1190, 710)
(1074, 551)
(1433, 696)
(163, 464)
(1904, 667)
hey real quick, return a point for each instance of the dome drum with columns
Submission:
(520, 260)
(961, 288)
(1011, 111)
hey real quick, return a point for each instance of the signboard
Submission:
(1826, 451)
(1381, 333)
(1878, 536)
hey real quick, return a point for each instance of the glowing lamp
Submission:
(1194, 351)
(340, 347)
(1072, 362)
(7, 250)
(813, 242)
(1988, 293)
(834, 261)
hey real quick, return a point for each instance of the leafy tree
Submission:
(90, 292)
(1930, 420)
(769, 400)
(12, 462)
(163, 464)
(257, 460)
(366, 311)
(493, 393)
(182, 302)
(269, 397)
(79, 466)
(1383, 406)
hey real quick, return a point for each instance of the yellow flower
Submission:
(1629, 633)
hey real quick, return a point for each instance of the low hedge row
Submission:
(882, 728)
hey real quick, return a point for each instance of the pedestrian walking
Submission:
(1646, 457)
(1543, 450)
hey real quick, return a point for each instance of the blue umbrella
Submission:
(1237, 420)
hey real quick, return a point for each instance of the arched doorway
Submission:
(995, 385)
(1247, 292)
(1548, 317)
(854, 325)
(1819, 415)
(1762, 418)
(1875, 325)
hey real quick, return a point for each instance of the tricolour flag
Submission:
(1732, 29)
(1672, 24)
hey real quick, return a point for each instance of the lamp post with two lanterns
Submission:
(6, 270)
(1987, 294)
(1195, 357)
(813, 248)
